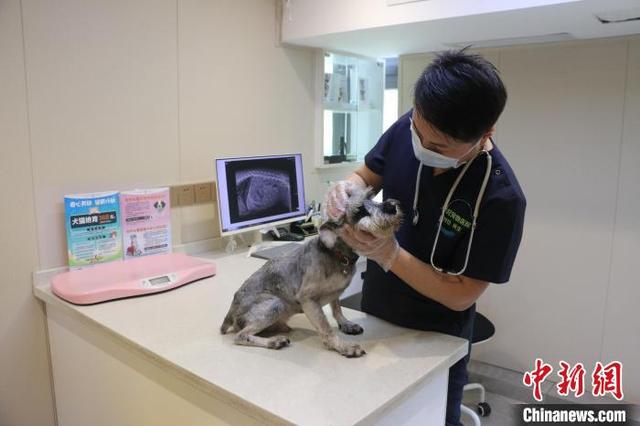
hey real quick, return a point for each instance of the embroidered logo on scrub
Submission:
(457, 219)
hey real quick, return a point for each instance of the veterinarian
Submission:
(430, 274)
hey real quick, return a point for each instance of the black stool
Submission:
(352, 302)
(483, 330)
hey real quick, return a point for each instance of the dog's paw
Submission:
(278, 342)
(350, 328)
(351, 350)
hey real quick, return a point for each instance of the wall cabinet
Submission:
(350, 103)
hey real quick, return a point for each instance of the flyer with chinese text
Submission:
(146, 221)
(93, 228)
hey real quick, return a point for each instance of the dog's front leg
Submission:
(346, 326)
(316, 316)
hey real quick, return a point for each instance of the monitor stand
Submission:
(268, 229)
(281, 234)
(232, 245)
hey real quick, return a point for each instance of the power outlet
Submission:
(203, 192)
(193, 193)
(186, 195)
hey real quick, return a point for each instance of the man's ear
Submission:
(491, 133)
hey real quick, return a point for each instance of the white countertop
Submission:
(303, 384)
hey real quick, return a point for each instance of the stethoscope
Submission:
(483, 187)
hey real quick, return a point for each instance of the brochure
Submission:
(93, 228)
(146, 221)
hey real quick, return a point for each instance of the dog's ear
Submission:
(332, 225)
(328, 230)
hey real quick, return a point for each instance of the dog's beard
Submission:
(379, 224)
(374, 220)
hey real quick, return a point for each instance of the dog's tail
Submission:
(228, 321)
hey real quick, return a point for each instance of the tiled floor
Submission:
(505, 389)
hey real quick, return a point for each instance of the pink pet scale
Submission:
(131, 277)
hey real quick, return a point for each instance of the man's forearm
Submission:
(357, 179)
(364, 176)
(455, 292)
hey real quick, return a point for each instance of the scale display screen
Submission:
(159, 280)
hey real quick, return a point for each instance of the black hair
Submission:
(460, 94)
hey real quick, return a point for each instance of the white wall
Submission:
(128, 94)
(124, 94)
(570, 131)
(25, 387)
(103, 101)
(621, 338)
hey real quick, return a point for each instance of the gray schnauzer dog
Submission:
(306, 279)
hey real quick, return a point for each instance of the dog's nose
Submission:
(389, 207)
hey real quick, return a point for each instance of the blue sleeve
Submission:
(496, 241)
(376, 159)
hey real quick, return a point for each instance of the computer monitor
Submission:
(255, 192)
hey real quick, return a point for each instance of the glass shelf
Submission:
(352, 98)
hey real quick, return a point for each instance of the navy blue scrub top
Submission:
(495, 242)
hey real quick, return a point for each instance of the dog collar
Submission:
(346, 261)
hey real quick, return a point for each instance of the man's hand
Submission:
(382, 250)
(335, 201)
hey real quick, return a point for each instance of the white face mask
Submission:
(431, 158)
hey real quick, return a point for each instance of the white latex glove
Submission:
(382, 250)
(336, 198)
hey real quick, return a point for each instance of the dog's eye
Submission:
(360, 213)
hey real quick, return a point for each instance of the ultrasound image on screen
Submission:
(261, 188)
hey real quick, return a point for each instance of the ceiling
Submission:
(565, 21)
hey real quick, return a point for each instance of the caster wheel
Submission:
(484, 409)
